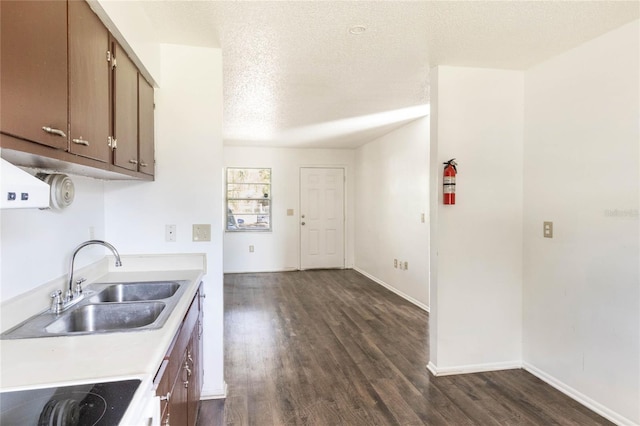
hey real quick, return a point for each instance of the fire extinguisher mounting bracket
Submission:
(451, 163)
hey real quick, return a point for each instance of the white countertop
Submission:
(71, 360)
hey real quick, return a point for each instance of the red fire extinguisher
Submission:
(449, 181)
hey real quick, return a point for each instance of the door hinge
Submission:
(108, 56)
(114, 63)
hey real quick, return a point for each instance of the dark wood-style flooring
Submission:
(332, 348)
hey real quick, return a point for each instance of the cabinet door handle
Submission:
(53, 131)
(165, 397)
(143, 164)
(80, 141)
(133, 161)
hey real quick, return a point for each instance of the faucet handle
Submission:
(78, 290)
(56, 301)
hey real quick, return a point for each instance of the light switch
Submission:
(289, 212)
(202, 232)
(547, 229)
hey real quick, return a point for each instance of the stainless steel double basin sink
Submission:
(107, 307)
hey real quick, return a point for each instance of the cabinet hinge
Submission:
(112, 142)
(108, 56)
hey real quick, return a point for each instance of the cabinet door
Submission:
(88, 83)
(145, 127)
(195, 383)
(178, 404)
(125, 110)
(34, 71)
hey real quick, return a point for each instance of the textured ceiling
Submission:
(294, 75)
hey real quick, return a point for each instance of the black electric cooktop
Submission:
(101, 404)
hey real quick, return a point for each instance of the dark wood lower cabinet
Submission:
(180, 376)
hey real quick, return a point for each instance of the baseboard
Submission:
(578, 396)
(262, 271)
(214, 393)
(472, 368)
(393, 289)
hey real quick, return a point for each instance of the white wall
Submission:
(477, 117)
(582, 171)
(36, 245)
(279, 250)
(131, 26)
(188, 185)
(392, 192)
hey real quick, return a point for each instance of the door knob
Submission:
(303, 223)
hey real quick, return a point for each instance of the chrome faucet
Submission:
(73, 296)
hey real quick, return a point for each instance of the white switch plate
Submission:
(202, 232)
(170, 233)
(251, 249)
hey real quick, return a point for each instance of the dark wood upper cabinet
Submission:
(146, 163)
(88, 83)
(33, 78)
(125, 110)
(70, 97)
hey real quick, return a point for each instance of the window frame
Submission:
(227, 199)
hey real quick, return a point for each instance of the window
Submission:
(248, 199)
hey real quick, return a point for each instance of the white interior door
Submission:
(321, 218)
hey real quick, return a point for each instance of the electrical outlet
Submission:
(202, 232)
(406, 265)
(547, 229)
(170, 233)
(422, 217)
(395, 263)
(251, 248)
